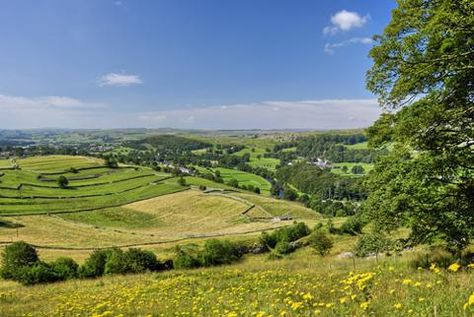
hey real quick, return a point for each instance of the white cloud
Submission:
(344, 21)
(42, 103)
(330, 47)
(19, 112)
(48, 111)
(310, 114)
(119, 80)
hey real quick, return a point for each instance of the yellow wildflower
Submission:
(454, 267)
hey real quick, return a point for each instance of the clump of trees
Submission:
(20, 262)
(283, 241)
(215, 252)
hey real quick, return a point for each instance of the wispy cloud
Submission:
(47, 111)
(67, 112)
(42, 103)
(331, 47)
(309, 114)
(344, 21)
(119, 80)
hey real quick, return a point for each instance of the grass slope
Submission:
(302, 284)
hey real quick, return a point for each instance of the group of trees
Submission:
(20, 262)
(332, 147)
(214, 252)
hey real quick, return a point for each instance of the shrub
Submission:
(293, 232)
(268, 240)
(138, 261)
(284, 247)
(40, 272)
(373, 243)
(17, 256)
(233, 182)
(352, 226)
(94, 266)
(182, 181)
(320, 242)
(63, 181)
(187, 257)
(65, 268)
(438, 256)
(202, 187)
(217, 252)
(116, 262)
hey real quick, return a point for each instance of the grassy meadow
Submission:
(302, 284)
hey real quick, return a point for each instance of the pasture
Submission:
(105, 207)
(34, 188)
(245, 178)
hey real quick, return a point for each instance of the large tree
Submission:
(423, 74)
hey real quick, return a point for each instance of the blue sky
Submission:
(187, 63)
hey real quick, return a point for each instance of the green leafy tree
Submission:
(17, 256)
(182, 181)
(63, 182)
(357, 169)
(320, 242)
(373, 243)
(423, 73)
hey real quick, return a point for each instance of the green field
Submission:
(337, 168)
(255, 161)
(245, 178)
(34, 188)
(358, 146)
(104, 207)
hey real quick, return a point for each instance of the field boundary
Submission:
(88, 209)
(189, 237)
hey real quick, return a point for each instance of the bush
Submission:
(352, 226)
(440, 257)
(284, 247)
(268, 240)
(181, 181)
(187, 257)
(63, 181)
(293, 232)
(115, 262)
(17, 256)
(138, 261)
(373, 243)
(320, 242)
(94, 266)
(217, 252)
(38, 273)
(283, 237)
(65, 268)
(202, 187)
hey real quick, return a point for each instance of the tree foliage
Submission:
(423, 73)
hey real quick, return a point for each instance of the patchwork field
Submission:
(125, 206)
(34, 188)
